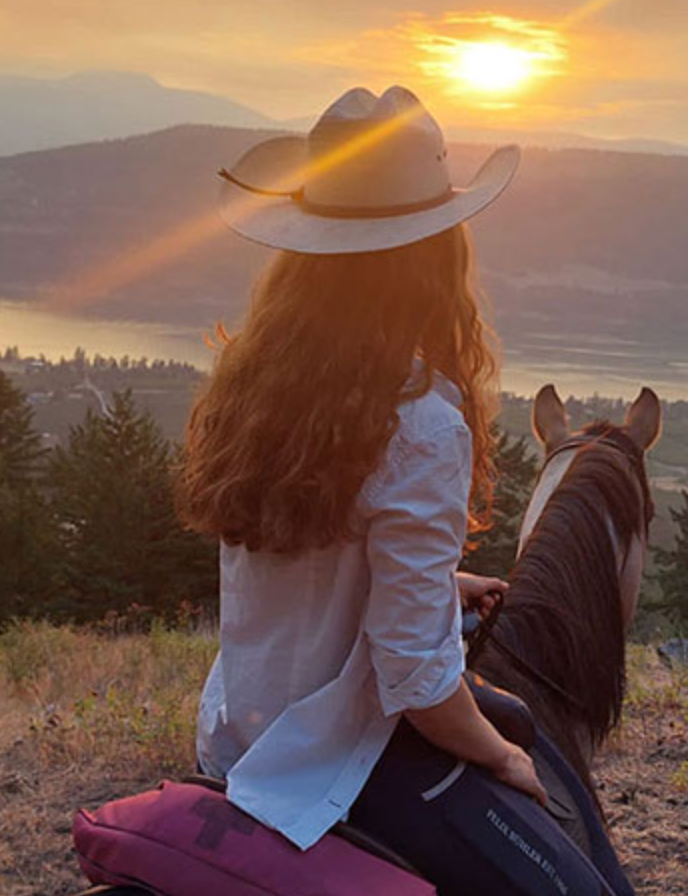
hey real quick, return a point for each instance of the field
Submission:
(92, 715)
(87, 716)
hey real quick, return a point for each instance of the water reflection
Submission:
(527, 366)
(37, 332)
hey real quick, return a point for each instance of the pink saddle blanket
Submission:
(187, 840)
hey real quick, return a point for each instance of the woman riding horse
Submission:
(333, 452)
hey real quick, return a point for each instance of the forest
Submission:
(88, 530)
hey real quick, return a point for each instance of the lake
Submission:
(579, 368)
(37, 332)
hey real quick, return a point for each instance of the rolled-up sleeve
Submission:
(417, 526)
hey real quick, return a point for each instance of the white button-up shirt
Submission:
(320, 653)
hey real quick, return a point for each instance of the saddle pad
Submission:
(517, 849)
(184, 839)
(585, 828)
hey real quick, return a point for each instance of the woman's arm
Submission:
(457, 726)
(417, 522)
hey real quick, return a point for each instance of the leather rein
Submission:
(611, 438)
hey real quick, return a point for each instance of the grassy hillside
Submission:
(90, 716)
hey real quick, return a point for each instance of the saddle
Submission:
(510, 715)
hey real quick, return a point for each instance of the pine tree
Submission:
(673, 569)
(112, 491)
(494, 551)
(27, 536)
(20, 445)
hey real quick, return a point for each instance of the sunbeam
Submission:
(132, 263)
(584, 12)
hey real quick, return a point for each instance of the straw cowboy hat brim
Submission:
(377, 198)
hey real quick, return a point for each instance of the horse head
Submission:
(639, 432)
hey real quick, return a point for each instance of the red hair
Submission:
(302, 401)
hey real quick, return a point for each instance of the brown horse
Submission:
(559, 640)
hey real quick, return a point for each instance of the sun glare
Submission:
(492, 58)
(492, 66)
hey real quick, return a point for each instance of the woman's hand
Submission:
(517, 770)
(458, 726)
(475, 592)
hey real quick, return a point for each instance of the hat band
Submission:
(370, 211)
(343, 211)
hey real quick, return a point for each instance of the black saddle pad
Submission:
(574, 810)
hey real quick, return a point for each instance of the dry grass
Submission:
(89, 717)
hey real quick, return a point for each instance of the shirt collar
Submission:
(441, 383)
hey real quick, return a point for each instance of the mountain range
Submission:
(586, 245)
(48, 113)
(42, 114)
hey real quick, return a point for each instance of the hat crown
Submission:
(376, 152)
(358, 102)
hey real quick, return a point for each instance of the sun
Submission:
(492, 67)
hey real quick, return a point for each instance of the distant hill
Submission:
(565, 140)
(535, 139)
(585, 242)
(42, 114)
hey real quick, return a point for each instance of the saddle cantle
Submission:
(510, 715)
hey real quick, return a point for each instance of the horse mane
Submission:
(563, 613)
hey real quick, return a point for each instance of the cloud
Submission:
(544, 47)
(588, 76)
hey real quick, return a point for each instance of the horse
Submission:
(558, 642)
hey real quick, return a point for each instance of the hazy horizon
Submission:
(605, 68)
(579, 246)
(95, 105)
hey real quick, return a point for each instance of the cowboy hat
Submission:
(372, 174)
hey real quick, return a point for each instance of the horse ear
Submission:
(549, 418)
(644, 419)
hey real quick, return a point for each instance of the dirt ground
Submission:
(642, 777)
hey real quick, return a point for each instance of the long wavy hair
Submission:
(302, 401)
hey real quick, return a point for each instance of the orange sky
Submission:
(612, 68)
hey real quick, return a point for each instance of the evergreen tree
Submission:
(27, 536)
(494, 552)
(673, 569)
(20, 445)
(112, 491)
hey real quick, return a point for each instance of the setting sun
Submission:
(492, 66)
(491, 59)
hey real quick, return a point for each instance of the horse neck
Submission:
(548, 483)
(563, 611)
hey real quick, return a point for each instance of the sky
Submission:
(608, 68)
